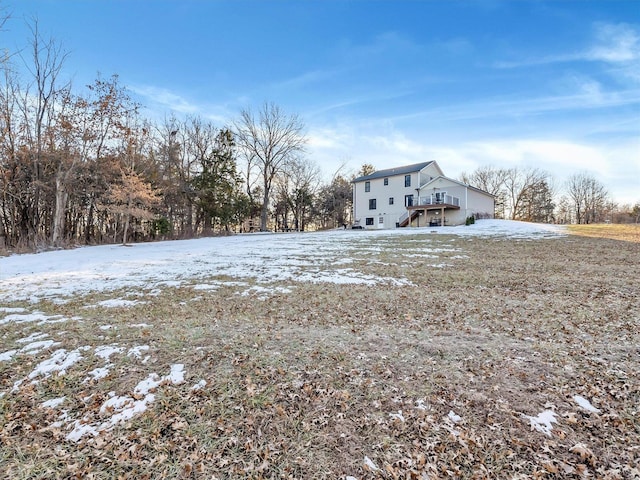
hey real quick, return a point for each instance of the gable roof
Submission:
(458, 182)
(389, 172)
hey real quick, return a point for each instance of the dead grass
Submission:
(307, 384)
(624, 232)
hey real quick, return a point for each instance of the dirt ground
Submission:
(446, 376)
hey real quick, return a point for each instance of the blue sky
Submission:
(553, 85)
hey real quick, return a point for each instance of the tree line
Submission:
(86, 167)
(530, 194)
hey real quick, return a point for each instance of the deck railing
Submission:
(444, 199)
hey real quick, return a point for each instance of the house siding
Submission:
(481, 205)
(431, 179)
(381, 193)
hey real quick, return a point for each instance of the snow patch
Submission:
(137, 351)
(585, 404)
(33, 337)
(543, 421)
(80, 430)
(118, 302)
(98, 373)
(105, 351)
(39, 317)
(35, 347)
(59, 362)
(200, 385)
(118, 409)
(453, 417)
(205, 286)
(53, 403)
(370, 465)
(397, 416)
(6, 356)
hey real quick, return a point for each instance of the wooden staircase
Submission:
(405, 219)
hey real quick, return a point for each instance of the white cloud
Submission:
(615, 43)
(617, 164)
(164, 98)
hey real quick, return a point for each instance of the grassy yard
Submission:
(497, 358)
(625, 232)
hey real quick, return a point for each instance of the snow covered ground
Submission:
(317, 257)
(140, 271)
(144, 269)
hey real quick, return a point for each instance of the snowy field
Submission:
(344, 342)
(296, 257)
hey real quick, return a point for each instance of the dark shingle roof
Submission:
(389, 172)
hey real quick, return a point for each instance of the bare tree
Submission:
(491, 180)
(366, 169)
(11, 175)
(519, 184)
(335, 202)
(588, 196)
(269, 143)
(487, 178)
(38, 108)
(298, 187)
(87, 129)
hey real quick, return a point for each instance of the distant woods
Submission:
(529, 194)
(85, 167)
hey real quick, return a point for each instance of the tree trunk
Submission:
(126, 228)
(207, 229)
(264, 211)
(188, 231)
(59, 212)
(89, 226)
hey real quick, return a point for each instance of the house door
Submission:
(380, 222)
(408, 200)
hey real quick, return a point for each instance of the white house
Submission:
(416, 195)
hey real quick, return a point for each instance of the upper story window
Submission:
(372, 204)
(386, 181)
(407, 180)
(390, 200)
(367, 186)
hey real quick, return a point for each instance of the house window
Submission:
(380, 220)
(407, 180)
(367, 186)
(372, 204)
(369, 221)
(408, 200)
(390, 200)
(386, 181)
